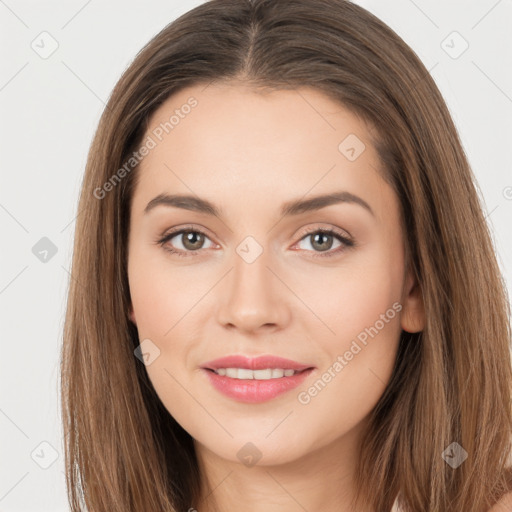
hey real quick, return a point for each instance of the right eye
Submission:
(191, 241)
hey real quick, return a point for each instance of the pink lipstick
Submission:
(255, 380)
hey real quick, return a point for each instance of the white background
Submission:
(49, 109)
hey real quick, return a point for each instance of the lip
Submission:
(251, 390)
(255, 363)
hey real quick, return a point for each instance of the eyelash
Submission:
(347, 242)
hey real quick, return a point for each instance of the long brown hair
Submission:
(451, 382)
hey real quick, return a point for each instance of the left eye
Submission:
(322, 239)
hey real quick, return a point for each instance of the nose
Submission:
(253, 298)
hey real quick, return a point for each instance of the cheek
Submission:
(361, 306)
(355, 372)
(353, 297)
(166, 299)
(361, 300)
(161, 293)
(160, 301)
(152, 307)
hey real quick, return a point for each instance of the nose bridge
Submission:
(250, 273)
(252, 295)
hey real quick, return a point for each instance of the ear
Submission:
(131, 315)
(413, 312)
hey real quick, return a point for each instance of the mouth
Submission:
(266, 362)
(264, 374)
(255, 380)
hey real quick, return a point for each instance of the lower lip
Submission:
(254, 391)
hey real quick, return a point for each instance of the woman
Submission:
(285, 296)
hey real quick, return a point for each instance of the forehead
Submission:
(255, 143)
(252, 116)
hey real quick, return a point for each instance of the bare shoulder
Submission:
(504, 505)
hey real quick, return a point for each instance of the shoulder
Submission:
(504, 505)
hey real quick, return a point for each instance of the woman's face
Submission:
(255, 277)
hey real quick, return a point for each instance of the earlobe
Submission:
(413, 312)
(131, 315)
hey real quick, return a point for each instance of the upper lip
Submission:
(255, 363)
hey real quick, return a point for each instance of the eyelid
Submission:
(309, 230)
(185, 227)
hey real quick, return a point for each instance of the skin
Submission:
(249, 153)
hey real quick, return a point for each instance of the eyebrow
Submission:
(294, 207)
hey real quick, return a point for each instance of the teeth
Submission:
(244, 373)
